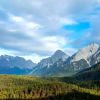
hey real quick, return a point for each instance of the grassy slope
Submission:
(27, 87)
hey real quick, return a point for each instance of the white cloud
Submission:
(55, 22)
(16, 19)
(24, 25)
(67, 21)
(25, 22)
(37, 43)
(42, 45)
(34, 57)
(35, 26)
(7, 52)
(32, 25)
(70, 51)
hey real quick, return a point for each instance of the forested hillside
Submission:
(27, 87)
(92, 73)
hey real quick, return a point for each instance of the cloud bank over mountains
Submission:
(37, 28)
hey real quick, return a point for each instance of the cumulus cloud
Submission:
(6, 52)
(34, 28)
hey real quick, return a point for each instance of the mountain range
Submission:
(65, 65)
(58, 64)
(15, 65)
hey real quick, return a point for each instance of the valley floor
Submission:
(36, 88)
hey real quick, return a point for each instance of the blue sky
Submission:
(35, 29)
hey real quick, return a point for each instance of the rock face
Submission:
(86, 53)
(15, 65)
(95, 58)
(47, 63)
(90, 54)
(59, 64)
(54, 58)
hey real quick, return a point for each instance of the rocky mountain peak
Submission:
(59, 55)
(86, 52)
